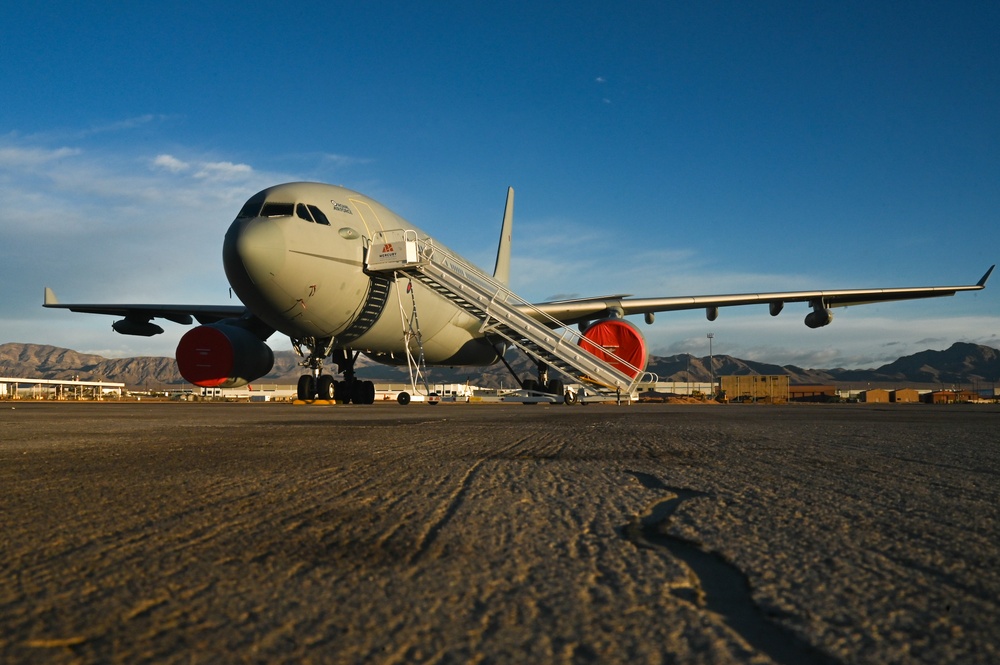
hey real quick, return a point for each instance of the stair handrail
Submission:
(438, 254)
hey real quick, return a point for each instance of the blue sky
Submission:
(655, 149)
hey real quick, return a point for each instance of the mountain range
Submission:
(961, 363)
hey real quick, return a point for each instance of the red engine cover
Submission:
(620, 338)
(205, 357)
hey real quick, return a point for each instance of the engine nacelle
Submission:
(620, 338)
(819, 318)
(222, 356)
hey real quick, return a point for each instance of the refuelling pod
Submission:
(222, 356)
(142, 328)
(620, 338)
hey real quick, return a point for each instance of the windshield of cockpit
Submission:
(258, 207)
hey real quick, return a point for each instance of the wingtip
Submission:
(50, 298)
(982, 282)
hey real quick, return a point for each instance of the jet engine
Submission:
(222, 356)
(819, 317)
(620, 338)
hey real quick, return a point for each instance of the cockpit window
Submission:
(278, 210)
(301, 211)
(319, 216)
(251, 207)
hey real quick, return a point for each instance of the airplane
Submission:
(333, 270)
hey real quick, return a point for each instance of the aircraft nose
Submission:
(254, 248)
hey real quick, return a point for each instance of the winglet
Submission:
(50, 298)
(501, 271)
(981, 283)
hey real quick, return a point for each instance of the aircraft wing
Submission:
(588, 309)
(139, 316)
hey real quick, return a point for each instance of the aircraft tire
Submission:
(326, 387)
(341, 393)
(367, 392)
(307, 387)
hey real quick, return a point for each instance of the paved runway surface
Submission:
(201, 533)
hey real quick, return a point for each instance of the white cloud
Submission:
(16, 157)
(223, 171)
(96, 228)
(343, 161)
(122, 125)
(171, 163)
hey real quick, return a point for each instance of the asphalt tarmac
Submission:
(207, 533)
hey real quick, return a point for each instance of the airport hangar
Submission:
(22, 388)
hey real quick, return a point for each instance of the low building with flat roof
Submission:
(904, 395)
(812, 393)
(875, 396)
(755, 388)
(26, 388)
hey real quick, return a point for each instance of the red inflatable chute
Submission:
(619, 338)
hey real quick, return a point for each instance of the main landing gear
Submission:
(317, 385)
(543, 384)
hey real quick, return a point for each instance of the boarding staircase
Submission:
(501, 312)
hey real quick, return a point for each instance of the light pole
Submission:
(711, 362)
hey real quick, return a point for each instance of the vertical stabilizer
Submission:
(501, 272)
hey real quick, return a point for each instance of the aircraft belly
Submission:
(449, 335)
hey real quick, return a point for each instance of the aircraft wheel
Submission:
(307, 387)
(367, 392)
(357, 393)
(326, 387)
(403, 398)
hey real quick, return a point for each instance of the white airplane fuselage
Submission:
(295, 256)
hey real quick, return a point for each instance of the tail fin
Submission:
(501, 271)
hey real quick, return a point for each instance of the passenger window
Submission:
(301, 211)
(319, 216)
(278, 210)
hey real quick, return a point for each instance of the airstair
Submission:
(501, 312)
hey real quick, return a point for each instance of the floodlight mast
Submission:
(711, 362)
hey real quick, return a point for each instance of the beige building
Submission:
(875, 396)
(812, 393)
(904, 395)
(755, 388)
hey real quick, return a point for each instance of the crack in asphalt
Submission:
(717, 586)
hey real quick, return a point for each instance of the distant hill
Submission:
(961, 363)
(50, 362)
